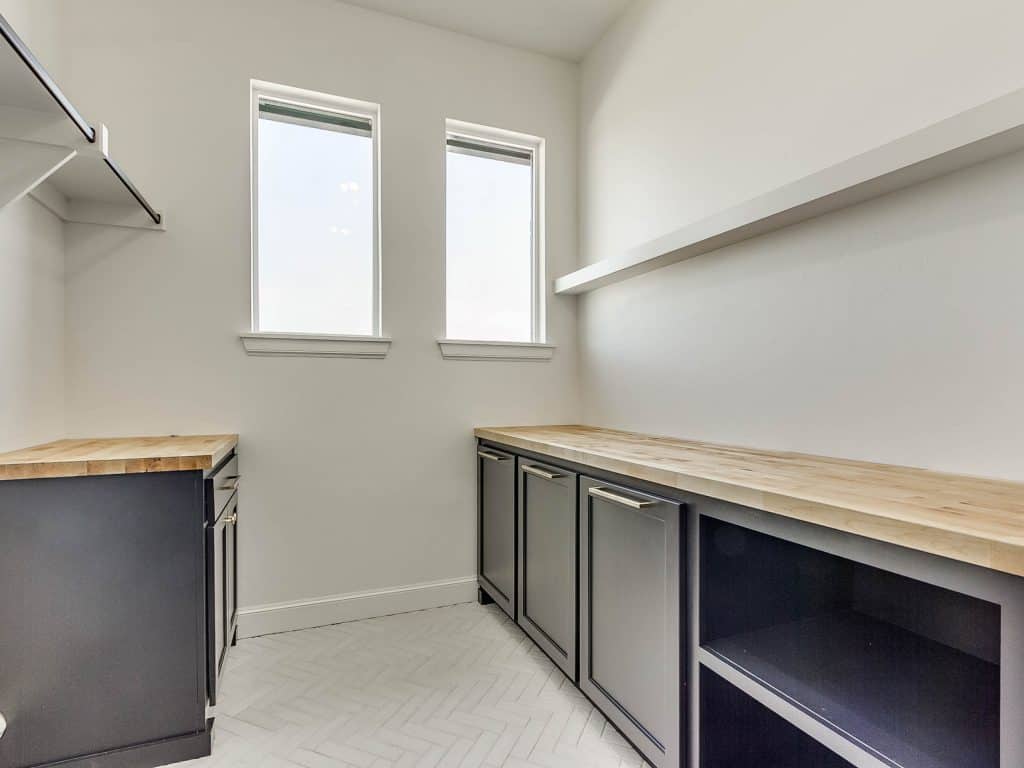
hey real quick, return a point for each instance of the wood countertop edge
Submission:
(229, 446)
(185, 461)
(999, 553)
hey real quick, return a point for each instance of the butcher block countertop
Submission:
(116, 456)
(970, 519)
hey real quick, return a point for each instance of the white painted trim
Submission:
(535, 145)
(353, 606)
(459, 349)
(325, 102)
(315, 345)
(985, 132)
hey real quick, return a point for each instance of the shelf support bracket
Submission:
(26, 165)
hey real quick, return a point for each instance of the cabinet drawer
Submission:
(220, 487)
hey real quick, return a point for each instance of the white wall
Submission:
(31, 326)
(357, 474)
(31, 289)
(890, 331)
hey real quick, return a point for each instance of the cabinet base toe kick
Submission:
(156, 753)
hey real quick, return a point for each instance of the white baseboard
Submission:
(335, 609)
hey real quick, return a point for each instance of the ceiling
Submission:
(563, 28)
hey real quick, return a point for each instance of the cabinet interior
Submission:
(738, 732)
(907, 670)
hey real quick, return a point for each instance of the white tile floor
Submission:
(455, 686)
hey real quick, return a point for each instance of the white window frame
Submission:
(258, 341)
(476, 349)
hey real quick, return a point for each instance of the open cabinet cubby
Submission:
(907, 671)
(738, 732)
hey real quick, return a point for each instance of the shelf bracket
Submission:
(29, 158)
(26, 165)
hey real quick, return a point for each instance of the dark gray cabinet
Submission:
(713, 635)
(118, 601)
(102, 620)
(547, 560)
(496, 557)
(591, 571)
(630, 608)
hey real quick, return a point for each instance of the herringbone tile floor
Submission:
(456, 686)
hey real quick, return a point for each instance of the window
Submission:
(315, 235)
(493, 263)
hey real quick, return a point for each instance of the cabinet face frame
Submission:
(1003, 589)
(564, 658)
(505, 598)
(672, 753)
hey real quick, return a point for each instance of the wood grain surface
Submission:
(969, 519)
(116, 456)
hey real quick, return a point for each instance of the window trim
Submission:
(535, 145)
(511, 351)
(323, 102)
(315, 345)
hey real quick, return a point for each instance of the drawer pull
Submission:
(626, 501)
(492, 456)
(231, 519)
(232, 484)
(541, 472)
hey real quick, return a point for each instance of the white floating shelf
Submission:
(49, 151)
(985, 132)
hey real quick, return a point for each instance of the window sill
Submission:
(457, 349)
(315, 345)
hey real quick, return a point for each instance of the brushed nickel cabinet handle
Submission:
(541, 472)
(230, 486)
(626, 501)
(231, 519)
(492, 456)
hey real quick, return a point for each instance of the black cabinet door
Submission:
(222, 610)
(630, 612)
(101, 616)
(497, 526)
(547, 560)
(231, 578)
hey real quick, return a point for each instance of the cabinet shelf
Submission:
(905, 698)
(884, 668)
(985, 132)
(51, 152)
